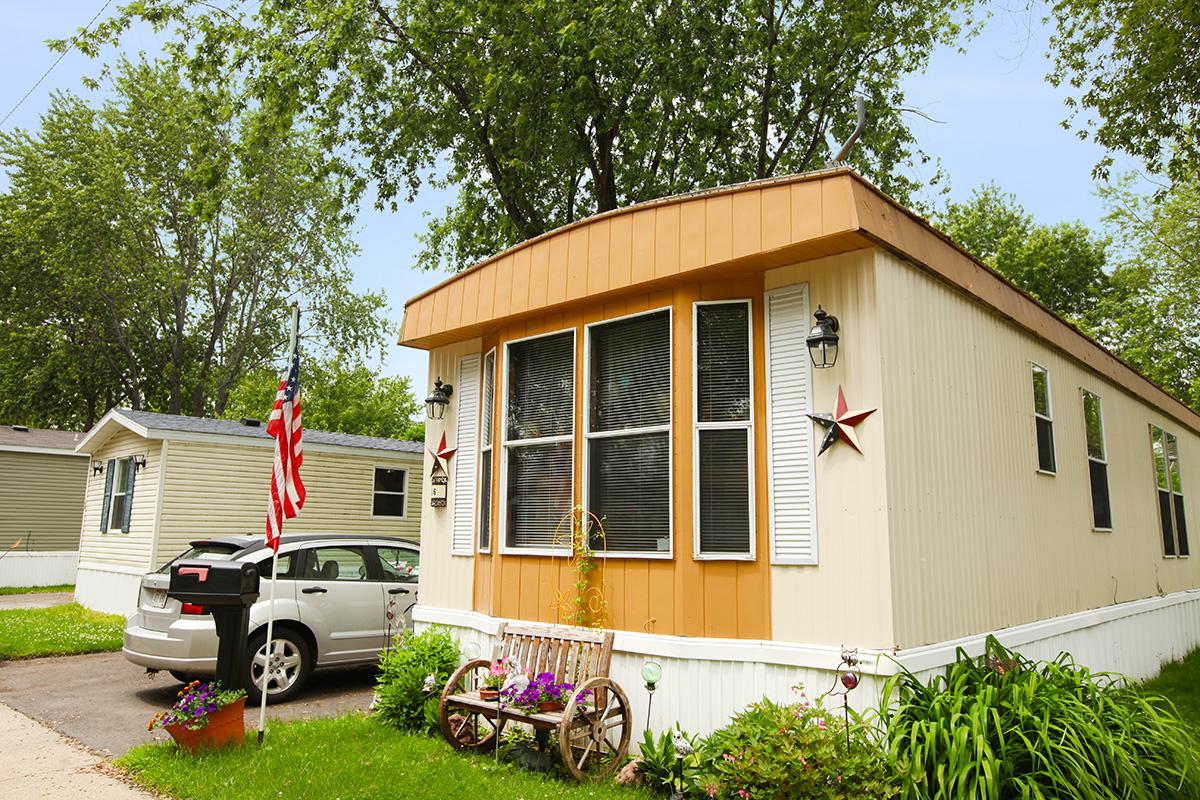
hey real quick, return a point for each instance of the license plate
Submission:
(156, 597)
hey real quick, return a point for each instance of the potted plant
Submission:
(204, 717)
(493, 682)
(541, 694)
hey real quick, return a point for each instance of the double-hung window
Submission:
(1093, 423)
(485, 451)
(1043, 419)
(391, 492)
(1169, 484)
(538, 442)
(723, 431)
(116, 511)
(628, 437)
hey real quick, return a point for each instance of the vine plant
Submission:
(586, 606)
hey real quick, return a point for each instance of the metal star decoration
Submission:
(839, 426)
(442, 454)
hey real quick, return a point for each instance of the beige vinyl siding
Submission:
(851, 496)
(979, 539)
(41, 500)
(131, 549)
(217, 488)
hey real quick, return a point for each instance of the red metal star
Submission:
(840, 424)
(442, 452)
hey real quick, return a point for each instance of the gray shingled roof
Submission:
(228, 427)
(41, 438)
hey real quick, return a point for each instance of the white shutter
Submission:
(789, 430)
(466, 460)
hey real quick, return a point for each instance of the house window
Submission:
(1043, 419)
(1169, 484)
(723, 443)
(485, 451)
(538, 441)
(119, 502)
(628, 458)
(1093, 422)
(391, 492)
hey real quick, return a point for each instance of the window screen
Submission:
(1093, 423)
(538, 445)
(629, 416)
(1043, 419)
(723, 428)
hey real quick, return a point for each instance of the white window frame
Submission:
(1171, 493)
(748, 425)
(120, 464)
(505, 443)
(1104, 448)
(375, 491)
(485, 452)
(1033, 365)
(589, 436)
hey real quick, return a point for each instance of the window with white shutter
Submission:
(486, 424)
(539, 429)
(723, 443)
(628, 438)
(462, 537)
(791, 462)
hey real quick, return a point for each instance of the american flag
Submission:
(287, 491)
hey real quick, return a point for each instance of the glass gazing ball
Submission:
(651, 672)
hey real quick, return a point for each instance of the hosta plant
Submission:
(1001, 726)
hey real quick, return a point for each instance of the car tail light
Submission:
(192, 608)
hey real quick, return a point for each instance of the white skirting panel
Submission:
(49, 568)
(706, 681)
(108, 587)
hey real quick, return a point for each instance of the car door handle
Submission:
(397, 590)
(314, 590)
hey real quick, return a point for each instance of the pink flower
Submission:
(743, 793)
(712, 790)
(821, 723)
(729, 757)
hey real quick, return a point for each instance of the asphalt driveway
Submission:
(104, 702)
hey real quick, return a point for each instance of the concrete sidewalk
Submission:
(39, 763)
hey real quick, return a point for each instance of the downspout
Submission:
(860, 106)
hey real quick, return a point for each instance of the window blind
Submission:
(723, 362)
(724, 491)
(629, 489)
(631, 373)
(539, 494)
(541, 380)
(485, 452)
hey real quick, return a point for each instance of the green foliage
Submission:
(1180, 681)
(660, 766)
(1062, 265)
(774, 750)
(151, 248)
(337, 397)
(1001, 726)
(541, 112)
(58, 631)
(1130, 66)
(406, 697)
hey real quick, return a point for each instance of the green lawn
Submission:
(59, 630)
(66, 587)
(1180, 682)
(352, 758)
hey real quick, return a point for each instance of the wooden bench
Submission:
(594, 726)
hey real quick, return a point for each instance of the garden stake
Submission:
(848, 677)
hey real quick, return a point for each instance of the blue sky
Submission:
(998, 120)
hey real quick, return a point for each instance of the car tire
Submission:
(184, 677)
(295, 665)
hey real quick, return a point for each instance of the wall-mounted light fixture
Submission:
(823, 340)
(439, 398)
(139, 461)
(97, 468)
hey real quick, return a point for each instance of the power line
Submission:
(61, 56)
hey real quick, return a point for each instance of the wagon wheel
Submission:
(594, 735)
(466, 728)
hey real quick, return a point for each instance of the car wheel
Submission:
(183, 677)
(287, 666)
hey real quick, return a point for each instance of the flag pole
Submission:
(262, 707)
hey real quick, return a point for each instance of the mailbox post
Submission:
(226, 589)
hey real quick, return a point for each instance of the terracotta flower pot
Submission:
(489, 694)
(550, 705)
(226, 726)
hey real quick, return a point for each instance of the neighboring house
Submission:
(167, 480)
(41, 502)
(650, 364)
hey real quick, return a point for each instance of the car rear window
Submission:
(204, 551)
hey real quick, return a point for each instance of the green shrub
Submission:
(405, 695)
(772, 750)
(659, 763)
(1001, 727)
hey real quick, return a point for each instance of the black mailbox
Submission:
(226, 589)
(214, 583)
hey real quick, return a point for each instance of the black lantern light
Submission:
(139, 461)
(439, 398)
(823, 340)
(97, 468)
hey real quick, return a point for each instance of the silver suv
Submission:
(338, 601)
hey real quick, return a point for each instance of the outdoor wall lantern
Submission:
(139, 461)
(97, 468)
(823, 340)
(439, 398)
(651, 674)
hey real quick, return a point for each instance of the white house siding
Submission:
(214, 489)
(979, 539)
(110, 563)
(846, 597)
